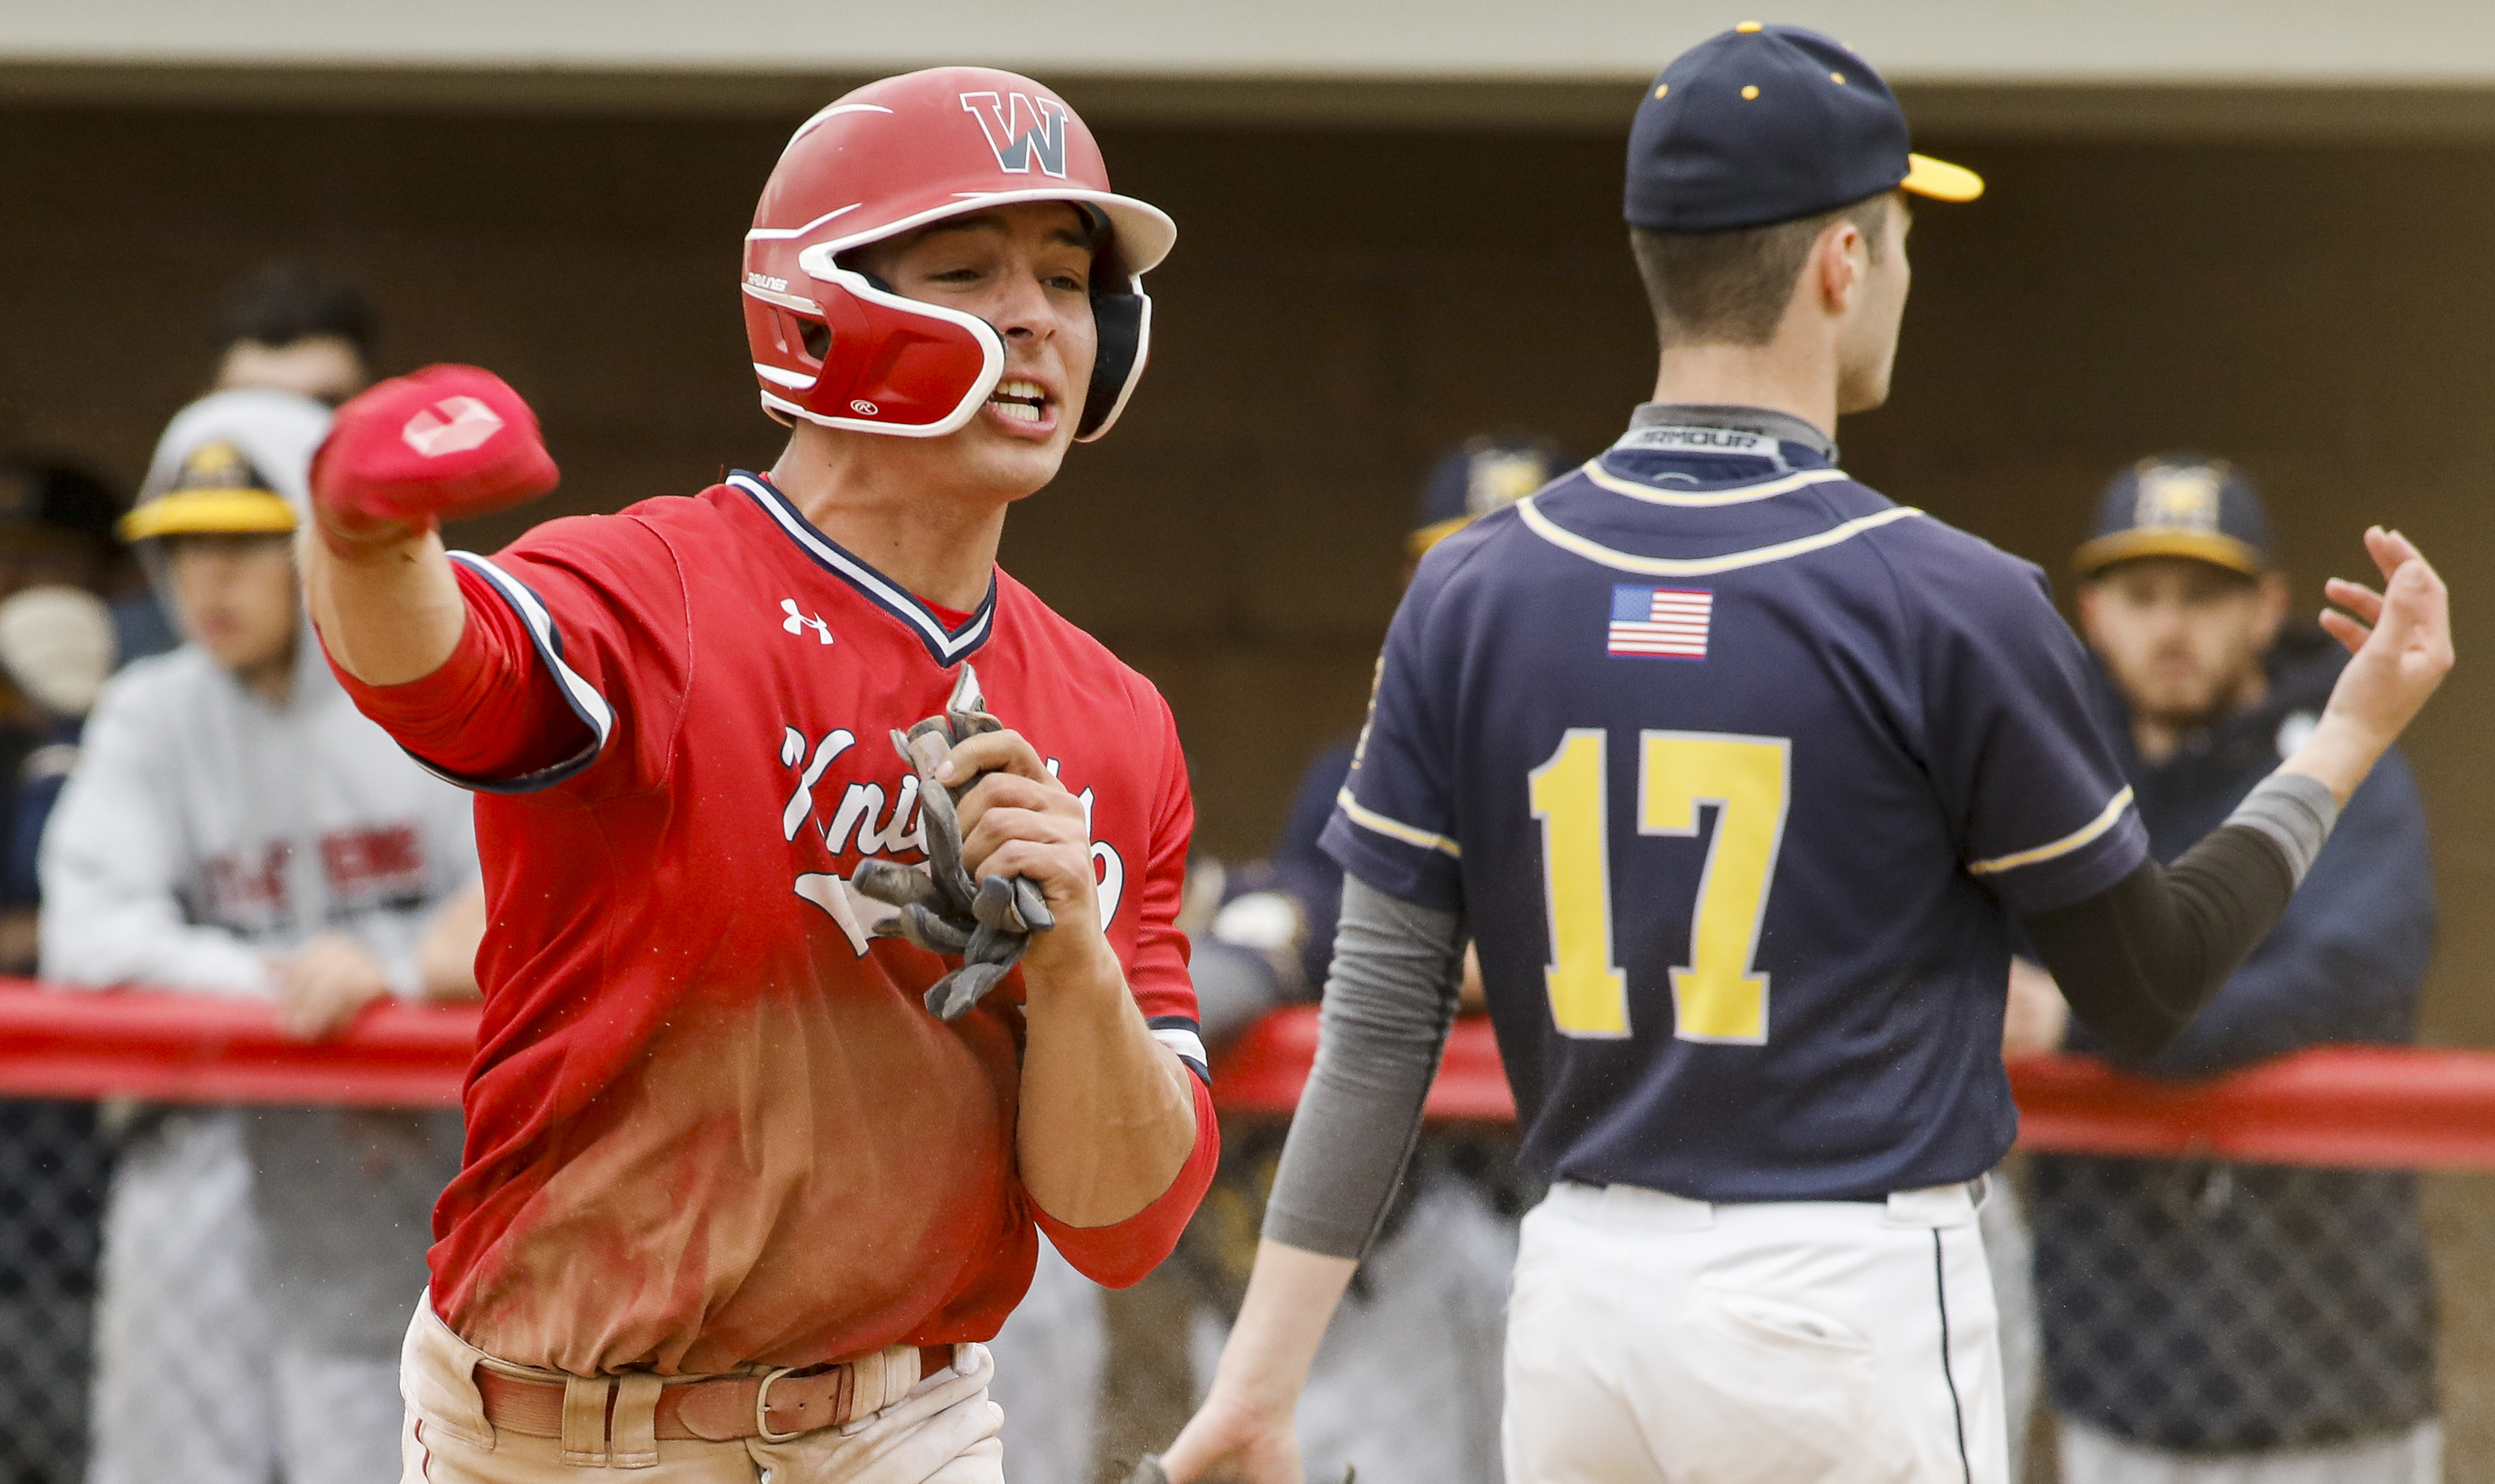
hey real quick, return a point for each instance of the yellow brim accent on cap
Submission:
(1419, 543)
(2200, 546)
(209, 512)
(1940, 180)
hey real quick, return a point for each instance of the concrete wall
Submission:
(2020, 40)
(1341, 304)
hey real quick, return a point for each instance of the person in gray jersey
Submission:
(235, 827)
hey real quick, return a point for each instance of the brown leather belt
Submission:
(719, 1409)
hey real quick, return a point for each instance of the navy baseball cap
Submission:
(2180, 504)
(1477, 477)
(1766, 124)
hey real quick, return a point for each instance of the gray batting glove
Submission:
(986, 924)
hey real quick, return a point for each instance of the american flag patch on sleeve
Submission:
(1660, 623)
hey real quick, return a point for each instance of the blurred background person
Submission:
(57, 555)
(1050, 1358)
(2213, 1323)
(1407, 1384)
(55, 524)
(286, 325)
(295, 326)
(235, 827)
(1483, 474)
(59, 560)
(73, 607)
(57, 649)
(2031, 1022)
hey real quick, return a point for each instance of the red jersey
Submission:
(710, 1123)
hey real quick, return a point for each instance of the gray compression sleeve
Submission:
(1389, 1000)
(2140, 958)
(2295, 812)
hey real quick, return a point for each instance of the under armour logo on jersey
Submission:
(799, 623)
(452, 425)
(1019, 127)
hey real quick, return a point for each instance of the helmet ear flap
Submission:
(1124, 324)
(881, 364)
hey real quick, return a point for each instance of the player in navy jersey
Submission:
(1737, 774)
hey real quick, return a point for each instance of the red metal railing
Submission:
(2343, 1106)
(2396, 1106)
(2386, 1106)
(200, 1048)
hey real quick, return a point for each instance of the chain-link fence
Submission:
(208, 1296)
(2206, 1312)
(55, 1165)
(2187, 1307)
(2200, 1310)
(2193, 1307)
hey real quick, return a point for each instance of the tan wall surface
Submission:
(1342, 304)
(2011, 40)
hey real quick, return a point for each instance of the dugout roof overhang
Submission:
(2250, 69)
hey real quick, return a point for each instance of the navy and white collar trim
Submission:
(947, 646)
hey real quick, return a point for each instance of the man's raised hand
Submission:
(2401, 639)
(446, 441)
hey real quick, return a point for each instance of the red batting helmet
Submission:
(838, 347)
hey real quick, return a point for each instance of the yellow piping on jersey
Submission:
(1743, 495)
(1699, 567)
(2062, 847)
(1395, 829)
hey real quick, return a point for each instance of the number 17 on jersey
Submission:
(1716, 995)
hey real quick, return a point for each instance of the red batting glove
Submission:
(447, 440)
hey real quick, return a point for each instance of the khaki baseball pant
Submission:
(943, 1432)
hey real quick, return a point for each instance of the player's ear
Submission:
(1838, 260)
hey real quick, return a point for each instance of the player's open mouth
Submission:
(1024, 403)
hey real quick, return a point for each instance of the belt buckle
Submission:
(762, 1409)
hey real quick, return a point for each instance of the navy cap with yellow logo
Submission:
(39, 495)
(1477, 477)
(1766, 124)
(2180, 504)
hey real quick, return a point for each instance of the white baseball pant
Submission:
(2411, 1456)
(1653, 1338)
(191, 1379)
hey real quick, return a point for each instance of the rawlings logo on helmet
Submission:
(1018, 127)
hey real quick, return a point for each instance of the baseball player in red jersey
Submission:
(734, 1201)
